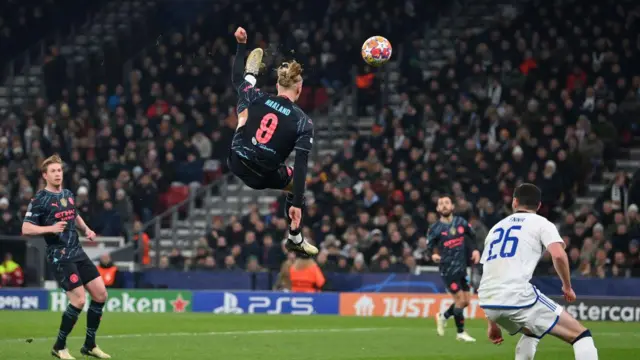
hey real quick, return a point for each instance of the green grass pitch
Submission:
(277, 337)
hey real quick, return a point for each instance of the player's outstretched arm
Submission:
(237, 73)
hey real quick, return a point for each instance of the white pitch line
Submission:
(267, 332)
(217, 333)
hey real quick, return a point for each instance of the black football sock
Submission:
(449, 313)
(94, 315)
(458, 316)
(69, 318)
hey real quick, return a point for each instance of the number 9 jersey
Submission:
(512, 251)
(275, 127)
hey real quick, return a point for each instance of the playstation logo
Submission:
(229, 305)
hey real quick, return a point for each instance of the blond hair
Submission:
(53, 159)
(289, 74)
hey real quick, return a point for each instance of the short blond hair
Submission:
(53, 159)
(289, 74)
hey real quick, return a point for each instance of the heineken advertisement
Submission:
(133, 301)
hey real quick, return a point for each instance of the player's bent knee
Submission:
(78, 302)
(100, 296)
(77, 297)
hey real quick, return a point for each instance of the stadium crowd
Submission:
(546, 98)
(520, 103)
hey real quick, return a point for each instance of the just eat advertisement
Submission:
(411, 305)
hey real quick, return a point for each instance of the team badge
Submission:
(63, 201)
(71, 201)
(73, 278)
(461, 229)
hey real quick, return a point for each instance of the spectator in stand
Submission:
(306, 276)
(109, 272)
(141, 239)
(11, 274)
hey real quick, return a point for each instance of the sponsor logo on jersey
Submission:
(65, 215)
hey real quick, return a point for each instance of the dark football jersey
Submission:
(274, 128)
(449, 238)
(47, 208)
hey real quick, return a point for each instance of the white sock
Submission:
(251, 79)
(585, 349)
(296, 239)
(526, 348)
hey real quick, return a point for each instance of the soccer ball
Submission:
(376, 50)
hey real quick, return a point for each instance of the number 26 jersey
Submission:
(274, 128)
(512, 251)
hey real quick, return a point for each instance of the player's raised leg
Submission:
(98, 293)
(77, 297)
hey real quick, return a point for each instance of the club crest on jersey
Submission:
(63, 202)
(461, 229)
(71, 201)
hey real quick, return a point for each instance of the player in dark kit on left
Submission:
(269, 128)
(452, 244)
(52, 214)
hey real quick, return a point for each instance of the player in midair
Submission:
(52, 214)
(452, 244)
(512, 250)
(269, 129)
